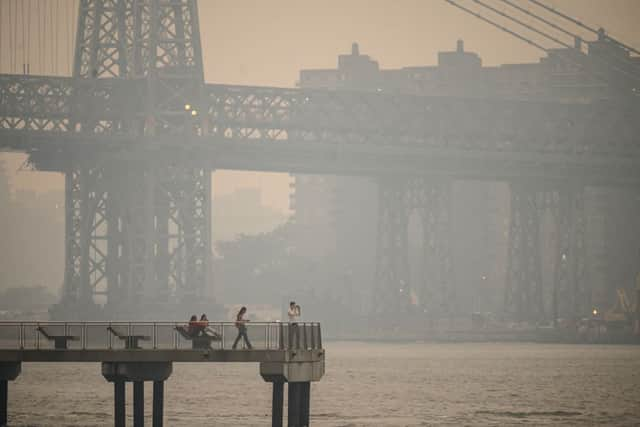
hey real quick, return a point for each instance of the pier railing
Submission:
(156, 336)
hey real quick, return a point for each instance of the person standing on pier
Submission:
(294, 316)
(242, 329)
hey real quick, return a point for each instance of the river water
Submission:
(369, 384)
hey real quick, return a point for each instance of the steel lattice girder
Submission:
(397, 199)
(137, 231)
(523, 292)
(371, 119)
(525, 296)
(136, 38)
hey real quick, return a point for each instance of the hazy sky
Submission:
(267, 42)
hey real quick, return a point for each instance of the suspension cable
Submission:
(28, 36)
(24, 38)
(524, 24)
(495, 24)
(566, 59)
(582, 25)
(67, 37)
(55, 27)
(38, 37)
(12, 50)
(541, 19)
(1, 27)
(51, 51)
(565, 16)
(43, 36)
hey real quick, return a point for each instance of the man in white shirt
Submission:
(294, 314)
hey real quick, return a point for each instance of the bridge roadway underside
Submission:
(57, 153)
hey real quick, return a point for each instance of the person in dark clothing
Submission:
(192, 329)
(201, 325)
(242, 329)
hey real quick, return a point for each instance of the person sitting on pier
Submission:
(242, 329)
(202, 324)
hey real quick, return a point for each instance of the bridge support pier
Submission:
(4, 398)
(137, 372)
(298, 376)
(119, 399)
(158, 403)
(299, 399)
(138, 404)
(277, 404)
(429, 201)
(9, 371)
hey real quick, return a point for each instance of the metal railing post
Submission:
(109, 340)
(175, 336)
(304, 336)
(222, 336)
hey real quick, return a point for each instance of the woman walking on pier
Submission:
(242, 329)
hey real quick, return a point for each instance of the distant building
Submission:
(242, 212)
(32, 249)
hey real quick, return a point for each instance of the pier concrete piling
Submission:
(293, 406)
(4, 397)
(277, 405)
(119, 400)
(9, 371)
(137, 373)
(158, 403)
(298, 405)
(138, 404)
(305, 400)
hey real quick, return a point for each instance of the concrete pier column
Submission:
(9, 371)
(4, 398)
(293, 405)
(305, 400)
(277, 404)
(119, 399)
(138, 404)
(293, 413)
(158, 403)
(298, 405)
(137, 373)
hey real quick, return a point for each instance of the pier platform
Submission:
(288, 354)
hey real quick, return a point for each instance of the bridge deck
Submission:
(320, 131)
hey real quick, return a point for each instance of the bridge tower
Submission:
(138, 223)
(431, 291)
(526, 298)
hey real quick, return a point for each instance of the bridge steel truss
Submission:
(525, 297)
(138, 227)
(138, 232)
(137, 131)
(430, 199)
